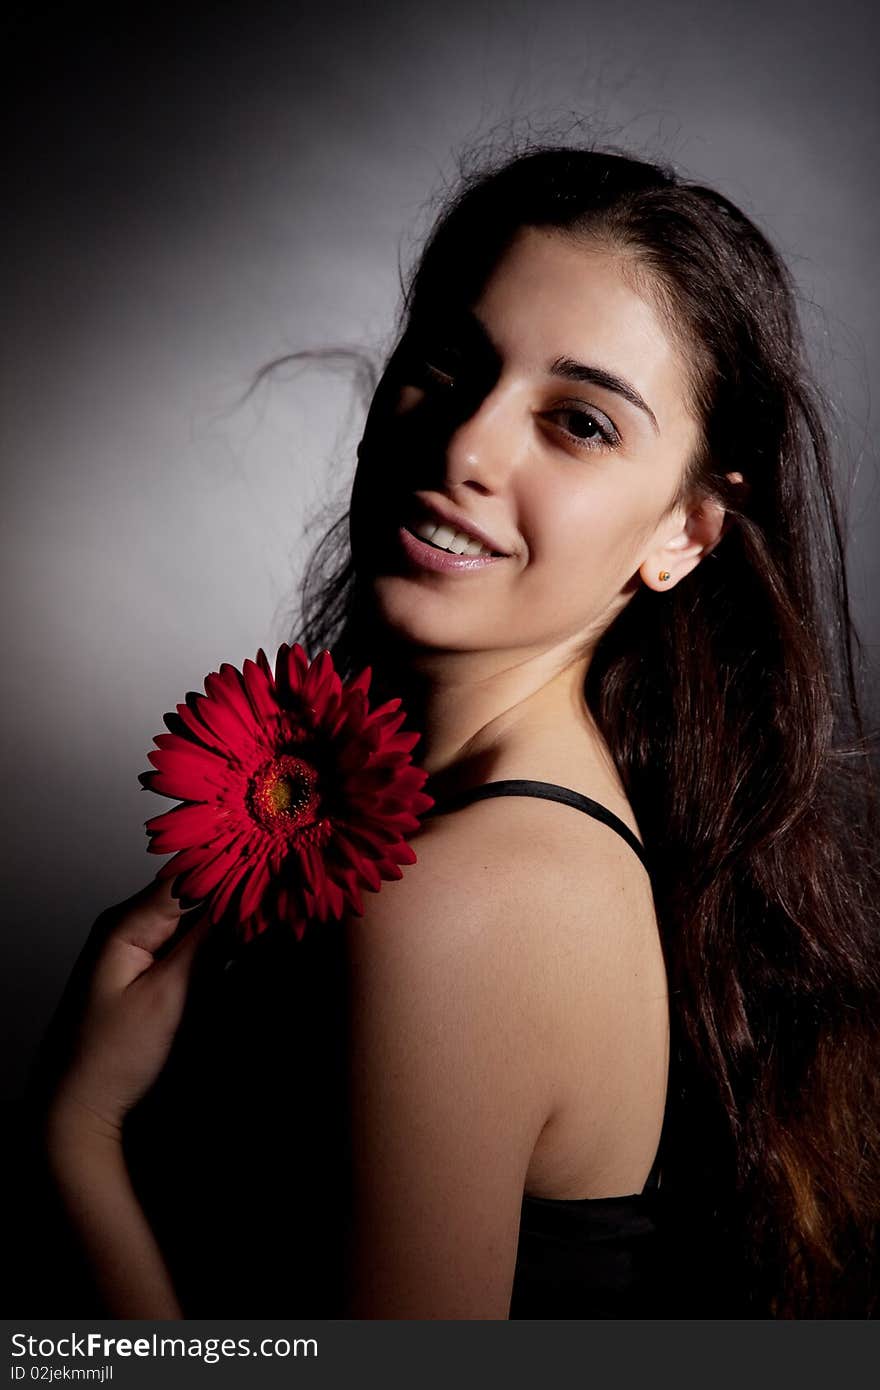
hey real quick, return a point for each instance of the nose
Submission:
(481, 450)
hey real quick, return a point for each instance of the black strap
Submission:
(523, 786)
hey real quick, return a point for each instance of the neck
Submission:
(477, 710)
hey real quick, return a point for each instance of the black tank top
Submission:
(240, 1157)
(590, 1257)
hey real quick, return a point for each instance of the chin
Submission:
(405, 612)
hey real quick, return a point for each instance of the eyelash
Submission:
(609, 436)
(607, 433)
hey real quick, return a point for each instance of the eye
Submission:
(433, 366)
(589, 428)
(439, 376)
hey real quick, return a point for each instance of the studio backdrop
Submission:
(190, 195)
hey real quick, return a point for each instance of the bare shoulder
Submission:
(459, 930)
(470, 979)
(582, 944)
(543, 856)
(521, 907)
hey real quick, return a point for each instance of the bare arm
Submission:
(453, 1074)
(88, 1168)
(131, 1003)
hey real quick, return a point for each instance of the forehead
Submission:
(551, 294)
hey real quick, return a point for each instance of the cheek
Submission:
(586, 530)
(406, 398)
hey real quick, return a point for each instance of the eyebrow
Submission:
(598, 376)
(571, 370)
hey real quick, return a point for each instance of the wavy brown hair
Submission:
(731, 706)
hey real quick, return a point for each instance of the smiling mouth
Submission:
(424, 554)
(483, 554)
(424, 529)
(432, 544)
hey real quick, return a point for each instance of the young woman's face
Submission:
(552, 413)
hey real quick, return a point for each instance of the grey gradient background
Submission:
(190, 194)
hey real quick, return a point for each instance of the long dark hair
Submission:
(731, 706)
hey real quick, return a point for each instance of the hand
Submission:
(125, 1000)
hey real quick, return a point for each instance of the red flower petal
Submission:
(201, 868)
(226, 891)
(350, 879)
(185, 777)
(319, 680)
(257, 882)
(260, 693)
(185, 825)
(228, 713)
(291, 667)
(361, 682)
(263, 663)
(296, 796)
(187, 714)
(370, 874)
(228, 689)
(389, 707)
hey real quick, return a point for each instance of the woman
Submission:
(598, 396)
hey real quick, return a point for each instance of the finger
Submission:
(109, 922)
(149, 919)
(153, 914)
(178, 963)
(169, 980)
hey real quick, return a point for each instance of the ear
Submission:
(696, 534)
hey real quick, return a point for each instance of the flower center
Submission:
(284, 794)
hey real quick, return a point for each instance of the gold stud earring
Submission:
(664, 574)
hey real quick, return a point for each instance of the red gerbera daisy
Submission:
(295, 795)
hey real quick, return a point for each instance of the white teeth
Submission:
(459, 544)
(443, 535)
(447, 538)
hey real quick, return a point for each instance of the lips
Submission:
(430, 557)
(442, 513)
